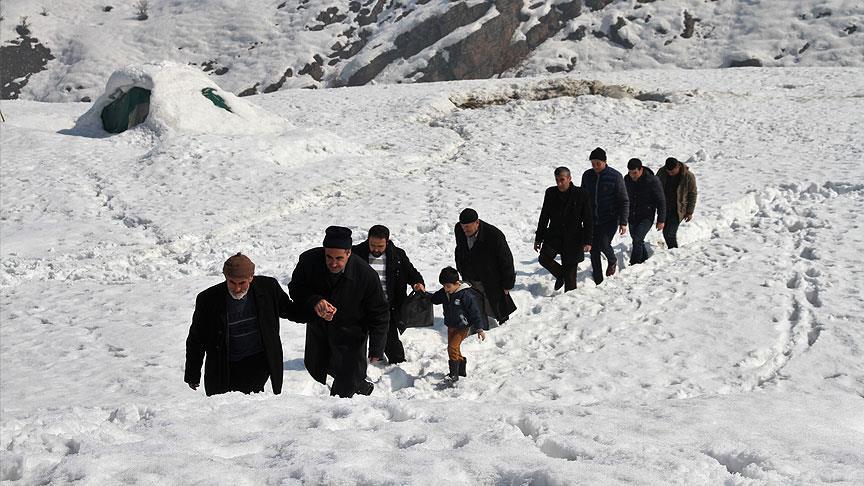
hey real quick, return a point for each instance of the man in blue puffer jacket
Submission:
(605, 186)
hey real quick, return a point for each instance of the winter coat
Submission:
(399, 270)
(490, 262)
(608, 195)
(686, 200)
(361, 309)
(208, 334)
(646, 197)
(463, 308)
(569, 219)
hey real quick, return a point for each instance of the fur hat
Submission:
(337, 237)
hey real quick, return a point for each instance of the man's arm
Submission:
(587, 221)
(195, 346)
(288, 309)
(505, 262)
(458, 255)
(542, 223)
(412, 275)
(659, 200)
(377, 317)
(300, 290)
(691, 197)
(623, 201)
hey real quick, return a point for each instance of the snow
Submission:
(735, 359)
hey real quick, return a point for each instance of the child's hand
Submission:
(481, 335)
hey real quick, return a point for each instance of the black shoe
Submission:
(462, 366)
(454, 370)
(610, 270)
(365, 388)
(559, 282)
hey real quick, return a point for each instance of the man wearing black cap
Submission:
(396, 272)
(646, 199)
(679, 189)
(484, 260)
(611, 207)
(343, 301)
(565, 227)
(236, 325)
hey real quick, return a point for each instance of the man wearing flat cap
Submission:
(341, 296)
(236, 326)
(485, 261)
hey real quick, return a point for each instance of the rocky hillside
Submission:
(66, 51)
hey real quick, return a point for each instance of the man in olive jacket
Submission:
(484, 260)
(679, 189)
(342, 298)
(236, 325)
(396, 272)
(565, 228)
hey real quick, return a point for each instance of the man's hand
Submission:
(374, 359)
(688, 218)
(622, 229)
(537, 245)
(419, 287)
(481, 335)
(660, 226)
(325, 310)
(506, 291)
(193, 386)
(586, 248)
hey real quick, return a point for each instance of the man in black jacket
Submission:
(395, 272)
(236, 325)
(484, 260)
(646, 199)
(565, 228)
(342, 298)
(610, 205)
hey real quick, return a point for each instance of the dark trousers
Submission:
(339, 352)
(248, 375)
(603, 234)
(638, 231)
(565, 270)
(393, 349)
(670, 230)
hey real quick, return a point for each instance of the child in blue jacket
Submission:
(463, 316)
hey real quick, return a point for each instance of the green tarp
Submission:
(215, 98)
(130, 109)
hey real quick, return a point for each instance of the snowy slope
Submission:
(261, 46)
(736, 359)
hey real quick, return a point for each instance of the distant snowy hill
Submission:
(65, 50)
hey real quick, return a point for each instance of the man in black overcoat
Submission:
(484, 260)
(565, 228)
(342, 298)
(395, 272)
(236, 326)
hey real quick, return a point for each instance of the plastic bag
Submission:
(416, 311)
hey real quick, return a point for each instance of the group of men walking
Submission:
(579, 219)
(350, 295)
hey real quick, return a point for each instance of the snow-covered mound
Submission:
(178, 103)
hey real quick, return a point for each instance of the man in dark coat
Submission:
(342, 298)
(646, 199)
(395, 272)
(679, 189)
(484, 260)
(565, 228)
(236, 325)
(611, 207)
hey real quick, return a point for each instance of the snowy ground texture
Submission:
(737, 359)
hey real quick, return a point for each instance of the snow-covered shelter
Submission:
(169, 96)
